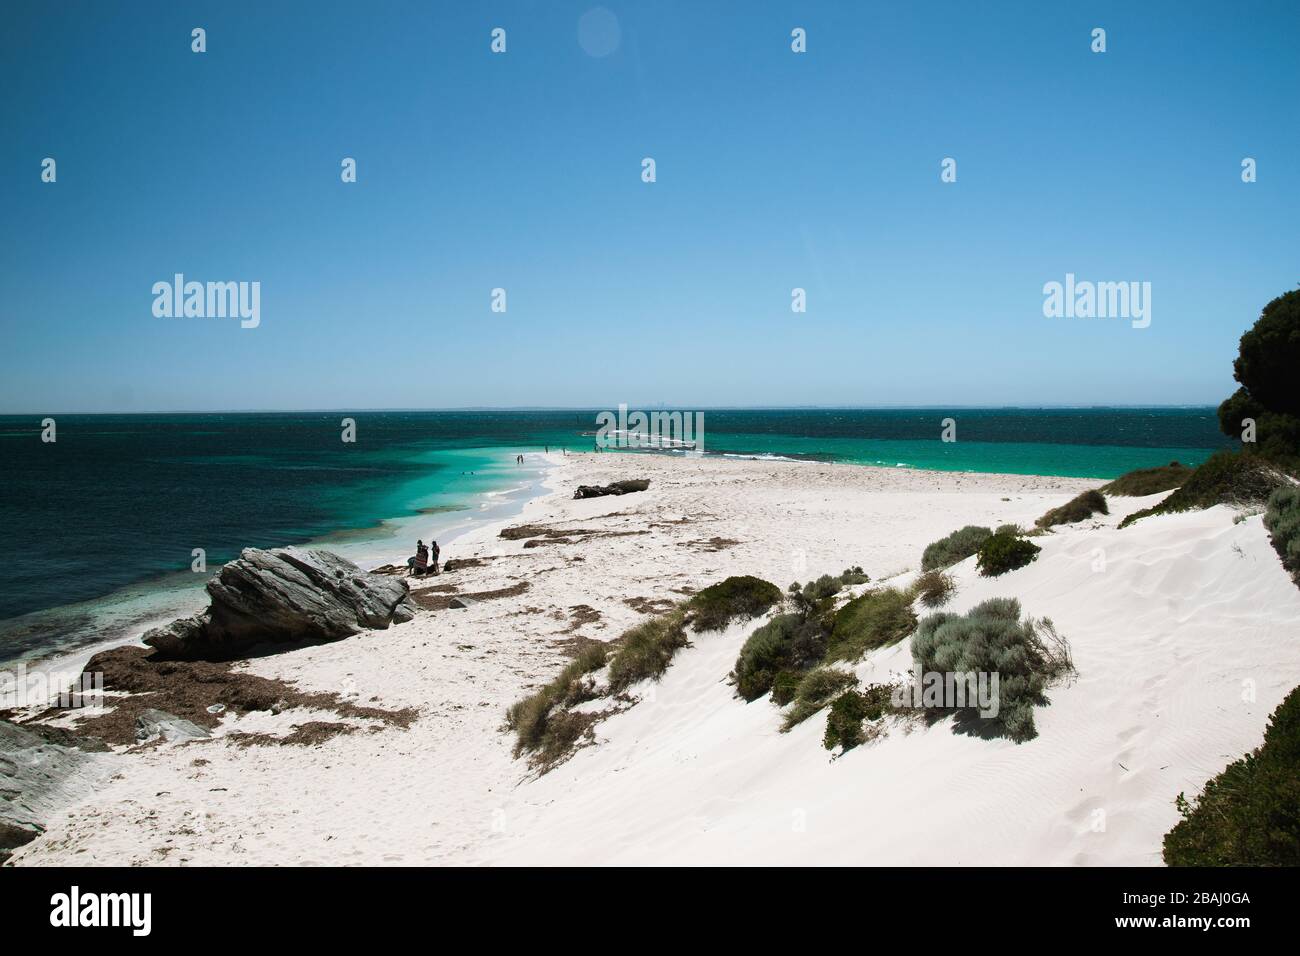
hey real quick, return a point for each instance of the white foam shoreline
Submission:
(391, 541)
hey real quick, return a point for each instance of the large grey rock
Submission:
(41, 770)
(288, 594)
(151, 723)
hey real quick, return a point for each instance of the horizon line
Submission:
(632, 407)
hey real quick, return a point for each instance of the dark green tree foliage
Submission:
(1249, 815)
(1270, 355)
(1266, 368)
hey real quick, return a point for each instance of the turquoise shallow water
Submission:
(100, 526)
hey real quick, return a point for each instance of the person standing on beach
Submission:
(418, 563)
(433, 564)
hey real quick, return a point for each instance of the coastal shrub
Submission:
(934, 588)
(811, 597)
(646, 650)
(787, 642)
(876, 619)
(849, 710)
(736, 597)
(1226, 478)
(844, 722)
(1027, 656)
(531, 718)
(815, 691)
(956, 547)
(1148, 481)
(1078, 508)
(829, 584)
(1282, 519)
(1249, 815)
(784, 686)
(1005, 552)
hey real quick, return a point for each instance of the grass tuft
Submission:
(876, 619)
(1079, 508)
(1148, 481)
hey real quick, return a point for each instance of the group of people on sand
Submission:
(425, 560)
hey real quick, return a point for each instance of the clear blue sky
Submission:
(775, 170)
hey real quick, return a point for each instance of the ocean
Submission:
(100, 526)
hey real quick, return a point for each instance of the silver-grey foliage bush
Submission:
(1026, 655)
(956, 547)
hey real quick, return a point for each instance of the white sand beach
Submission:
(1184, 644)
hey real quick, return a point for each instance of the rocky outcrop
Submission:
(287, 594)
(41, 770)
(615, 488)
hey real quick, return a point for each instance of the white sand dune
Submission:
(1184, 643)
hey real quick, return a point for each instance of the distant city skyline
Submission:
(780, 177)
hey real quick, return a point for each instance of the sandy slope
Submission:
(1187, 608)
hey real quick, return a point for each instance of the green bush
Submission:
(824, 587)
(1148, 481)
(1005, 552)
(876, 619)
(1249, 815)
(813, 597)
(737, 597)
(1026, 655)
(815, 691)
(958, 546)
(844, 722)
(784, 687)
(646, 650)
(1226, 478)
(787, 642)
(934, 588)
(777, 653)
(1078, 508)
(1282, 519)
(849, 710)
